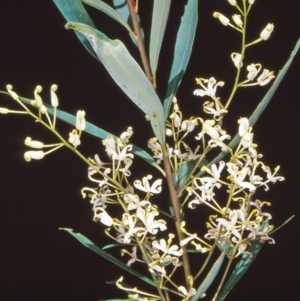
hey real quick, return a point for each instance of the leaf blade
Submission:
(108, 10)
(127, 74)
(182, 52)
(209, 278)
(240, 269)
(160, 16)
(74, 11)
(90, 245)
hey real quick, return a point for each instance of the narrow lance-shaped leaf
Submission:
(108, 10)
(183, 48)
(95, 131)
(89, 244)
(240, 269)
(262, 105)
(160, 16)
(209, 278)
(73, 11)
(127, 74)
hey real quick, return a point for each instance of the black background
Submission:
(38, 262)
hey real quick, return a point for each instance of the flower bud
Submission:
(251, 1)
(54, 99)
(4, 111)
(34, 144)
(169, 132)
(80, 120)
(37, 98)
(232, 2)
(265, 34)
(222, 18)
(36, 155)
(237, 20)
(13, 94)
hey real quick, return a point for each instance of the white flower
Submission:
(166, 249)
(215, 172)
(189, 125)
(128, 229)
(208, 128)
(147, 218)
(224, 20)
(177, 117)
(265, 77)
(211, 88)
(271, 177)
(251, 1)
(253, 70)
(154, 188)
(239, 176)
(126, 135)
(217, 111)
(36, 155)
(237, 20)
(134, 202)
(74, 138)
(103, 217)
(265, 34)
(121, 155)
(186, 293)
(244, 132)
(110, 145)
(237, 59)
(80, 120)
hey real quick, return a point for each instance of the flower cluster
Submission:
(245, 174)
(139, 221)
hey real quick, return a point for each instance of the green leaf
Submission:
(89, 244)
(160, 16)
(122, 8)
(73, 11)
(183, 48)
(117, 245)
(209, 278)
(108, 10)
(95, 131)
(265, 101)
(262, 105)
(240, 269)
(287, 221)
(127, 74)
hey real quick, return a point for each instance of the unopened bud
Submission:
(265, 34)
(37, 98)
(13, 94)
(36, 155)
(232, 2)
(225, 21)
(54, 99)
(33, 143)
(80, 120)
(4, 111)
